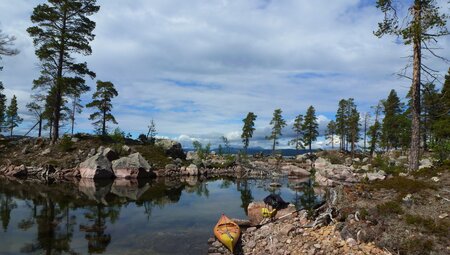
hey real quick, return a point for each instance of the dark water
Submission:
(162, 216)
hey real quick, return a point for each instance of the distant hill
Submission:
(254, 150)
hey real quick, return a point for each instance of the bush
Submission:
(391, 207)
(66, 143)
(440, 228)
(118, 136)
(403, 185)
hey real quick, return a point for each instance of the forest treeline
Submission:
(63, 29)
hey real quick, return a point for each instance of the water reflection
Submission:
(127, 216)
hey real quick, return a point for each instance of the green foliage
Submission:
(403, 185)
(2, 106)
(227, 144)
(298, 140)
(331, 132)
(347, 124)
(416, 246)
(390, 207)
(201, 151)
(118, 136)
(102, 101)
(395, 126)
(310, 127)
(66, 143)
(247, 129)
(155, 155)
(61, 30)
(12, 117)
(438, 227)
(441, 149)
(278, 123)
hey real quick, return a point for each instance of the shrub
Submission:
(66, 143)
(390, 207)
(118, 136)
(403, 185)
(440, 228)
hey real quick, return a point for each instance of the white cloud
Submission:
(197, 67)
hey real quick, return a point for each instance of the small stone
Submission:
(317, 246)
(351, 241)
(251, 229)
(216, 244)
(211, 240)
(435, 179)
(288, 241)
(442, 216)
(251, 244)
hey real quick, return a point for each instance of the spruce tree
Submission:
(391, 129)
(310, 127)
(102, 101)
(341, 123)
(151, 133)
(331, 132)
(298, 141)
(36, 108)
(421, 25)
(247, 129)
(12, 116)
(278, 123)
(62, 30)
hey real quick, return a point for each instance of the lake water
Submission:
(161, 216)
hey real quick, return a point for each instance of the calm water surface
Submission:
(162, 216)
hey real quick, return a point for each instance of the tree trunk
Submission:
(40, 126)
(332, 141)
(414, 152)
(59, 76)
(72, 118)
(273, 146)
(104, 122)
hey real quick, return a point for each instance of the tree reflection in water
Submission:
(7, 204)
(98, 240)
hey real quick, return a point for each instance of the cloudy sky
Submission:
(198, 67)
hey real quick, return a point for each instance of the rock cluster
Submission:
(291, 236)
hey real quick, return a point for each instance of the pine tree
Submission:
(6, 42)
(62, 29)
(310, 127)
(421, 25)
(37, 109)
(102, 101)
(331, 132)
(227, 144)
(151, 134)
(431, 111)
(298, 141)
(2, 107)
(277, 123)
(366, 123)
(352, 125)
(12, 116)
(391, 129)
(375, 130)
(247, 129)
(341, 123)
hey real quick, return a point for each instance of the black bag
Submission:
(275, 201)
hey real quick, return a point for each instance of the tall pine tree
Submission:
(310, 127)
(62, 29)
(298, 141)
(331, 132)
(102, 101)
(247, 129)
(12, 115)
(278, 123)
(421, 25)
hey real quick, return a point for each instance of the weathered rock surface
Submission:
(295, 170)
(15, 171)
(96, 167)
(172, 148)
(255, 216)
(133, 166)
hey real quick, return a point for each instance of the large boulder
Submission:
(192, 170)
(133, 166)
(255, 215)
(172, 148)
(380, 175)
(110, 154)
(321, 163)
(96, 167)
(295, 170)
